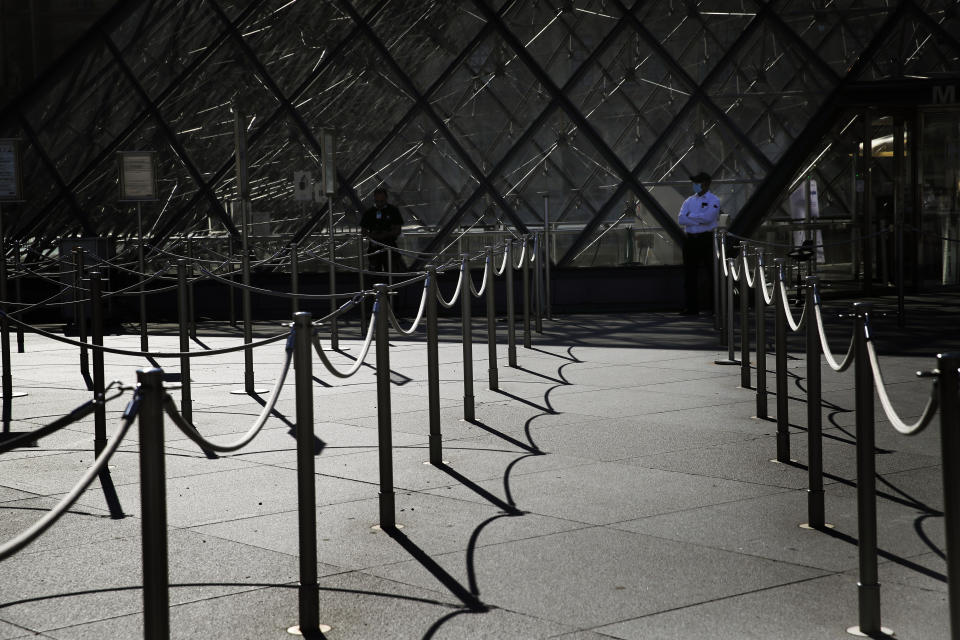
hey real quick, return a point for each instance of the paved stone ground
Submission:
(617, 486)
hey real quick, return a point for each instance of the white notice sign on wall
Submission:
(138, 175)
(10, 170)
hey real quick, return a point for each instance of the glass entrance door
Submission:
(939, 242)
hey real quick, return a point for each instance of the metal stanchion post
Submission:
(231, 294)
(465, 315)
(248, 384)
(722, 283)
(80, 309)
(947, 364)
(433, 368)
(332, 256)
(868, 587)
(389, 265)
(717, 270)
(744, 320)
(526, 292)
(153, 498)
(191, 299)
(144, 340)
(362, 263)
(183, 308)
(17, 291)
(815, 507)
(491, 321)
(511, 315)
(6, 378)
(780, 347)
(295, 278)
(308, 589)
(901, 309)
(728, 317)
(384, 426)
(537, 284)
(100, 411)
(760, 320)
(548, 239)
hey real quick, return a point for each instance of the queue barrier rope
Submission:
(825, 347)
(419, 316)
(144, 354)
(869, 379)
(456, 291)
(483, 284)
(898, 423)
(364, 349)
(189, 430)
(27, 536)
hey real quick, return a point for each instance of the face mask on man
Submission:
(697, 187)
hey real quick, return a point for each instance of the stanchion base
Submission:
(855, 631)
(726, 361)
(295, 629)
(244, 392)
(775, 461)
(377, 527)
(444, 462)
(16, 394)
(810, 527)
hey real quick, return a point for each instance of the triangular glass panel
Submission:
(629, 96)
(561, 36)
(696, 34)
(425, 39)
(839, 31)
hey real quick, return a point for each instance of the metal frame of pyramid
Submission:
(469, 112)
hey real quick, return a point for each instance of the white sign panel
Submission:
(10, 183)
(302, 186)
(138, 176)
(328, 164)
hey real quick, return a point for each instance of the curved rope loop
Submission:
(506, 258)
(170, 408)
(364, 350)
(26, 537)
(483, 284)
(523, 255)
(794, 326)
(767, 297)
(746, 270)
(825, 348)
(416, 321)
(456, 292)
(902, 427)
(723, 258)
(735, 274)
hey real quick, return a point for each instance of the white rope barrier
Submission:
(170, 408)
(364, 350)
(902, 427)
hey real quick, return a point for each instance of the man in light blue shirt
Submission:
(698, 217)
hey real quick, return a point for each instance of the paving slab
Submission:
(586, 576)
(433, 524)
(616, 485)
(811, 610)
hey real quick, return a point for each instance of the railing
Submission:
(944, 395)
(151, 402)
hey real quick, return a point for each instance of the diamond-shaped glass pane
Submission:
(696, 35)
(561, 36)
(431, 37)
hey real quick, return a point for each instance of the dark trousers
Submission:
(377, 259)
(697, 249)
